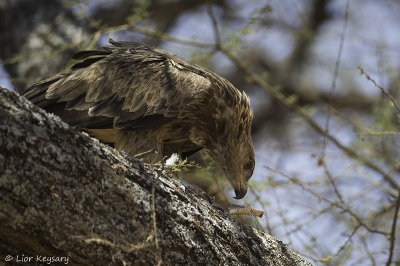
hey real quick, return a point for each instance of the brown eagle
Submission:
(141, 99)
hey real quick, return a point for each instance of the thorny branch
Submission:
(393, 231)
(385, 92)
(258, 199)
(332, 182)
(335, 75)
(370, 256)
(331, 93)
(342, 247)
(381, 133)
(331, 203)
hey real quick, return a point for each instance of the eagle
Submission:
(141, 99)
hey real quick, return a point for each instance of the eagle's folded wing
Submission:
(125, 86)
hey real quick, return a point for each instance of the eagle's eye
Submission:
(248, 165)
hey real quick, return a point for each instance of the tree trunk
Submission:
(67, 197)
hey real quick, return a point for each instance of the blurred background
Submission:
(323, 79)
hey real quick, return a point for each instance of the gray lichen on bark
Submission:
(63, 193)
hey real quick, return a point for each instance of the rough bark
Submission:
(63, 193)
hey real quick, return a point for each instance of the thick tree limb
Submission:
(63, 193)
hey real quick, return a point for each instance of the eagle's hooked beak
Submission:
(240, 191)
(241, 186)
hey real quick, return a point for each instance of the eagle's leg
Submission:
(139, 144)
(160, 155)
(142, 154)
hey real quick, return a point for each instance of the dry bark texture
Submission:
(63, 193)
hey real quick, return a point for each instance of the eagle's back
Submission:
(125, 86)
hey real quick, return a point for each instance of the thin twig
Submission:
(258, 199)
(96, 35)
(128, 248)
(331, 93)
(154, 214)
(370, 256)
(144, 153)
(335, 75)
(282, 216)
(329, 258)
(333, 204)
(153, 206)
(380, 133)
(385, 92)
(157, 34)
(332, 182)
(393, 232)
(167, 37)
(311, 218)
(217, 36)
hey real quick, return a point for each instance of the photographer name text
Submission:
(38, 259)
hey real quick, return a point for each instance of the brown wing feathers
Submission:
(126, 85)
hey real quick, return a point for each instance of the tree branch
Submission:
(63, 193)
(385, 92)
(393, 231)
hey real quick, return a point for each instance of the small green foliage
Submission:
(183, 165)
(260, 185)
(235, 39)
(310, 110)
(278, 88)
(201, 58)
(81, 13)
(385, 116)
(140, 11)
(380, 138)
(292, 99)
(257, 14)
(78, 3)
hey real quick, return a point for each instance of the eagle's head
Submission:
(229, 141)
(237, 162)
